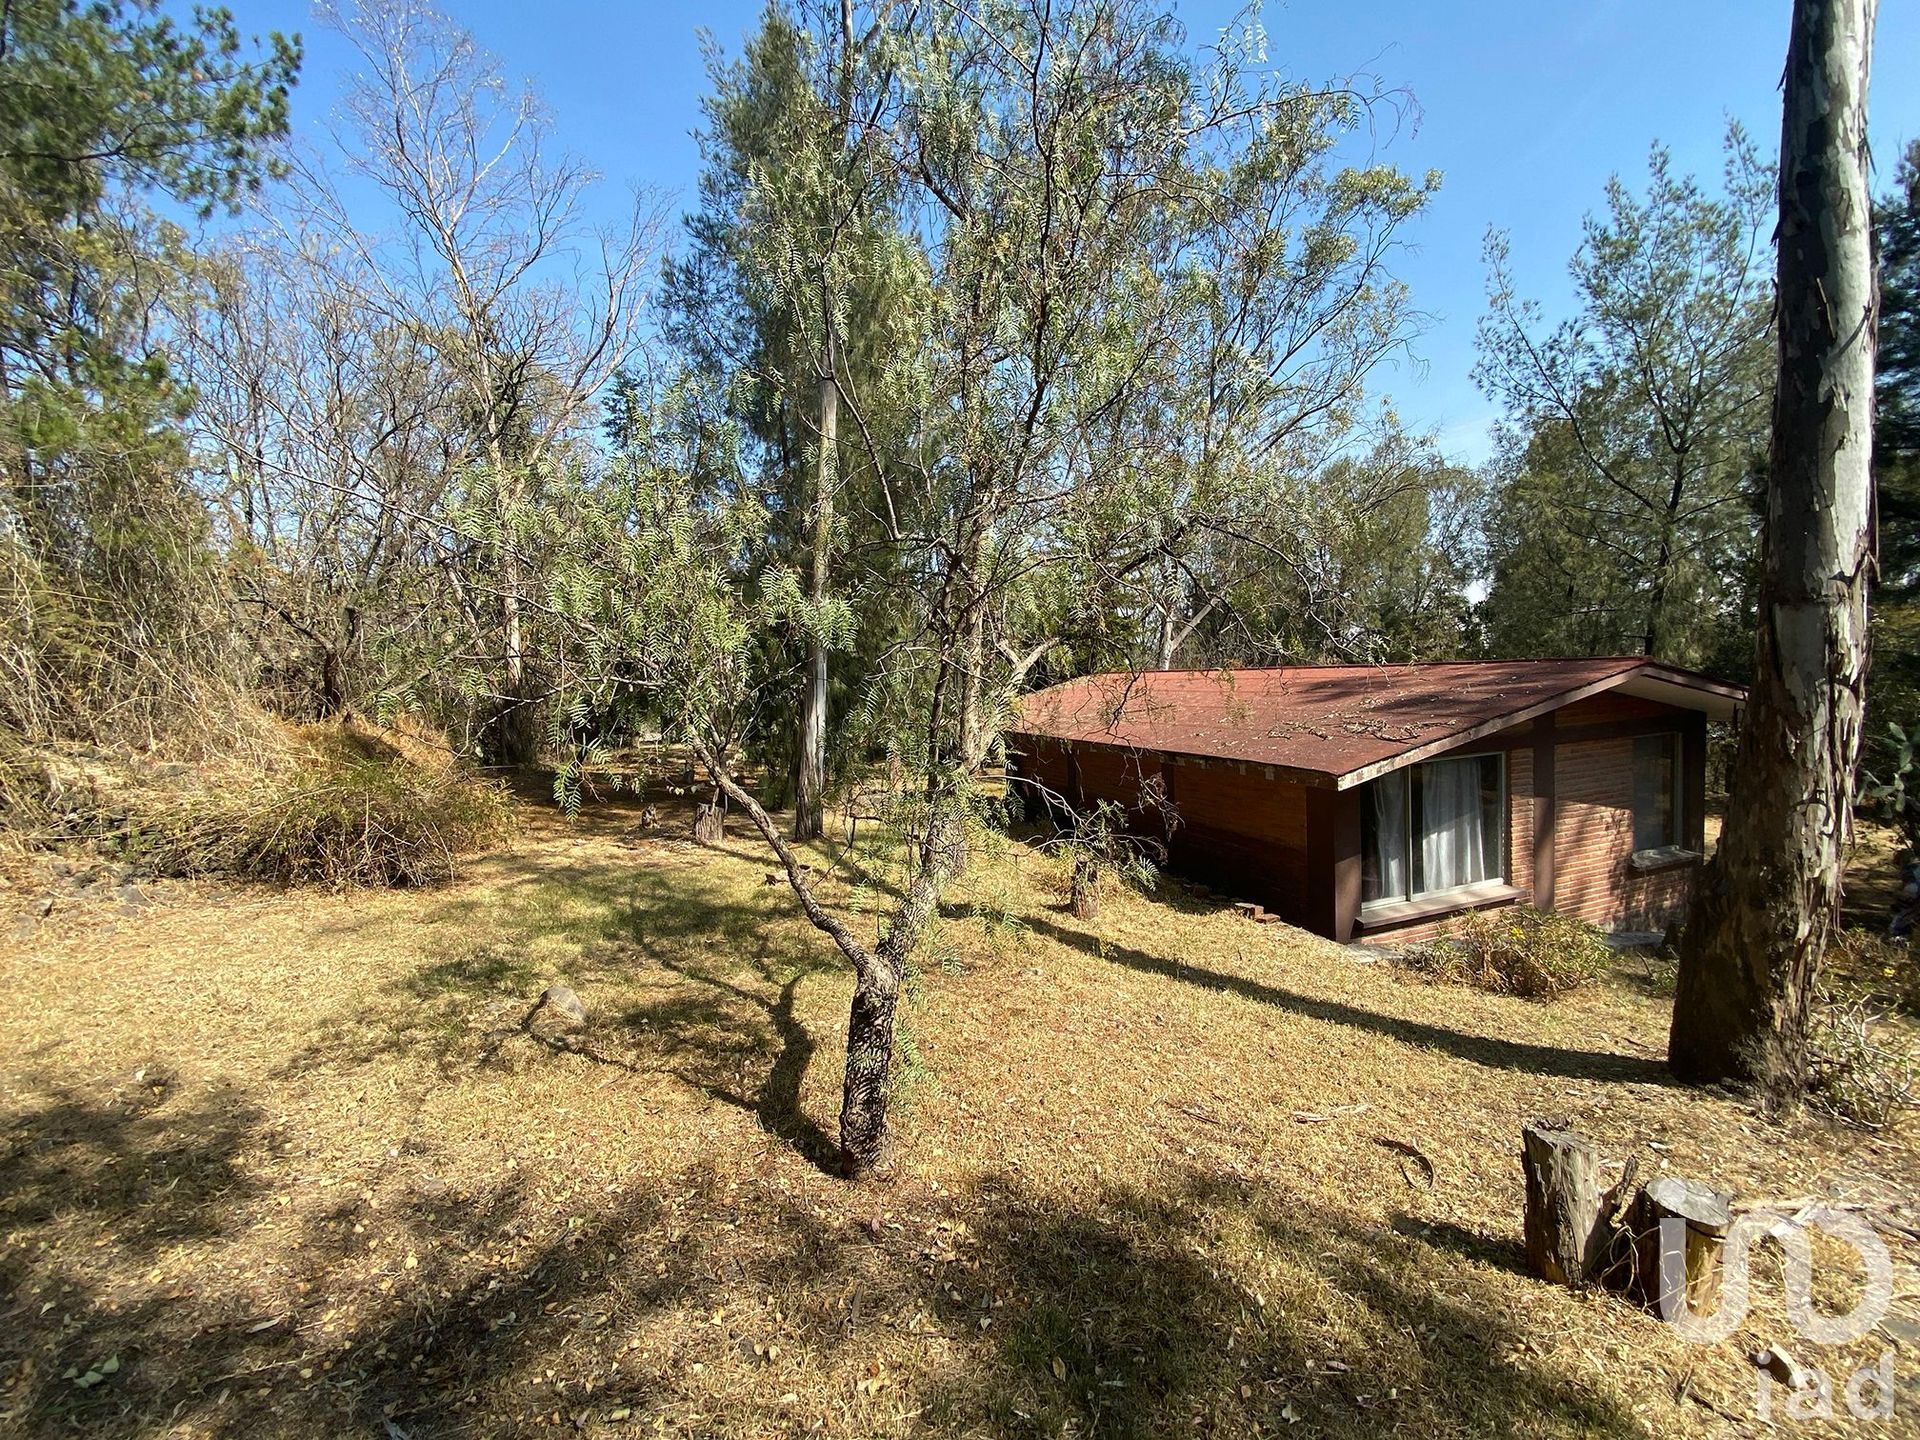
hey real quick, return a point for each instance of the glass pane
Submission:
(1493, 819)
(1654, 813)
(1383, 839)
(1460, 830)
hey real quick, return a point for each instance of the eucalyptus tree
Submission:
(1130, 278)
(787, 303)
(485, 253)
(1635, 428)
(1770, 896)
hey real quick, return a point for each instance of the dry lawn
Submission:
(281, 1164)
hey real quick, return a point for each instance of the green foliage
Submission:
(1624, 515)
(1517, 951)
(101, 106)
(1893, 690)
(1890, 788)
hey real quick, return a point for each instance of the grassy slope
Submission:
(288, 1158)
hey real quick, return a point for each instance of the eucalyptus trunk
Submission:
(1768, 900)
(809, 816)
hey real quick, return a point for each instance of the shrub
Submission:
(1858, 1070)
(1516, 951)
(356, 808)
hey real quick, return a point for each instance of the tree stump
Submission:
(1565, 1233)
(1673, 1262)
(1085, 888)
(710, 824)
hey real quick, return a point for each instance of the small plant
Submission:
(1098, 845)
(1891, 789)
(1518, 951)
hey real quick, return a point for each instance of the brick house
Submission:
(1372, 801)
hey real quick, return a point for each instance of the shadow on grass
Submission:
(687, 968)
(1487, 1050)
(716, 1301)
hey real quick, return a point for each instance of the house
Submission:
(1372, 801)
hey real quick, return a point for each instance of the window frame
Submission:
(1429, 897)
(1675, 843)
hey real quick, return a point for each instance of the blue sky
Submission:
(1526, 106)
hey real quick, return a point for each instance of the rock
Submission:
(24, 927)
(131, 897)
(563, 1003)
(1782, 1367)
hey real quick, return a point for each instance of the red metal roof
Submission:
(1347, 722)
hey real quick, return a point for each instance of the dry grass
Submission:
(339, 803)
(291, 1161)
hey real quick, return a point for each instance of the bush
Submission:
(1859, 1071)
(356, 808)
(1516, 951)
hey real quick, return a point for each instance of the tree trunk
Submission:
(1680, 1227)
(1565, 1236)
(1768, 899)
(809, 806)
(864, 1138)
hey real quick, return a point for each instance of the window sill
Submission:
(1382, 913)
(1667, 857)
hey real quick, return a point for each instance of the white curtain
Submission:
(1453, 845)
(1390, 834)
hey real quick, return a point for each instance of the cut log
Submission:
(710, 824)
(1565, 1229)
(1682, 1258)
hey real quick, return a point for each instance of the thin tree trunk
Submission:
(809, 817)
(864, 1137)
(1769, 898)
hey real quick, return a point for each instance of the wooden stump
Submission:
(1086, 888)
(1565, 1230)
(710, 824)
(1679, 1261)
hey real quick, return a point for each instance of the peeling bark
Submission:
(1768, 900)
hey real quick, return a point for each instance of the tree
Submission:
(1128, 279)
(528, 309)
(102, 560)
(782, 306)
(1375, 567)
(1768, 899)
(1624, 515)
(1895, 696)
(340, 441)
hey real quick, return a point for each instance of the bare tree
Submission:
(1768, 899)
(528, 308)
(338, 438)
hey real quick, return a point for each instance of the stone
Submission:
(563, 1003)
(1782, 1367)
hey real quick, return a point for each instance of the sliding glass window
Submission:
(1433, 828)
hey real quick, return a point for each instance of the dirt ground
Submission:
(281, 1164)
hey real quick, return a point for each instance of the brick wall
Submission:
(1593, 843)
(1243, 832)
